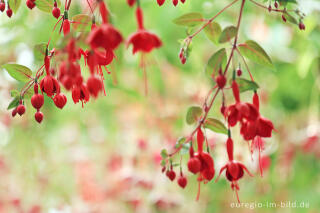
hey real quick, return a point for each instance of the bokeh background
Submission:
(105, 157)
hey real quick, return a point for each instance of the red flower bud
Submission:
(221, 81)
(60, 100)
(302, 26)
(270, 8)
(239, 72)
(131, 2)
(30, 4)
(182, 181)
(175, 2)
(21, 109)
(37, 101)
(9, 12)
(38, 116)
(14, 112)
(171, 174)
(56, 12)
(94, 86)
(160, 2)
(2, 6)
(284, 18)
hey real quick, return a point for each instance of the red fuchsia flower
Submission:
(260, 127)
(94, 85)
(234, 170)
(143, 40)
(96, 58)
(60, 100)
(37, 100)
(70, 74)
(201, 162)
(105, 36)
(239, 111)
(80, 93)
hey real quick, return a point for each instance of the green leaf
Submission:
(82, 22)
(14, 5)
(46, 5)
(189, 19)
(39, 51)
(14, 103)
(193, 114)
(227, 34)
(215, 125)
(18, 72)
(164, 153)
(253, 51)
(217, 60)
(185, 149)
(179, 142)
(213, 31)
(245, 85)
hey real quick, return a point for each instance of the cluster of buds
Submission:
(3, 7)
(174, 2)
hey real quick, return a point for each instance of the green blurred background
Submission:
(105, 157)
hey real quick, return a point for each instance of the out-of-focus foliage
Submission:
(105, 157)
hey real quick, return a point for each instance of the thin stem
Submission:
(210, 20)
(236, 37)
(90, 6)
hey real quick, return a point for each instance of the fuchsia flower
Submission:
(142, 40)
(240, 111)
(80, 93)
(201, 162)
(49, 85)
(105, 36)
(260, 127)
(94, 86)
(60, 100)
(234, 170)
